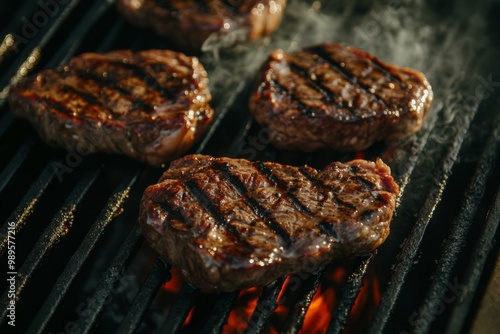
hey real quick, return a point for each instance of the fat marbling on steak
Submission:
(233, 223)
(149, 105)
(336, 96)
(193, 24)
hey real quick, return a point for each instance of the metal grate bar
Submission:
(416, 149)
(412, 243)
(220, 313)
(74, 41)
(349, 293)
(9, 31)
(158, 275)
(180, 310)
(240, 137)
(111, 35)
(220, 116)
(474, 271)
(111, 276)
(51, 235)
(18, 159)
(458, 235)
(60, 288)
(295, 318)
(28, 204)
(30, 56)
(27, 7)
(265, 307)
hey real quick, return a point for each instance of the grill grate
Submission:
(350, 292)
(149, 287)
(180, 310)
(111, 275)
(412, 244)
(231, 131)
(458, 235)
(75, 264)
(56, 229)
(481, 250)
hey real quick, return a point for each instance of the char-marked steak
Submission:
(191, 24)
(336, 96)
(233, 223)
(149, 105)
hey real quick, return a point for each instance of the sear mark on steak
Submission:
(194, 25)
(336, 96)
(149, 105)
(232, 223)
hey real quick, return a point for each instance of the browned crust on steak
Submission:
(232, 223)
(189, 23)
(149, 105)
(336, 96)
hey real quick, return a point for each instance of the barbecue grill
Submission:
(80, 264)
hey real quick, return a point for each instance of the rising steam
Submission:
(441, 41)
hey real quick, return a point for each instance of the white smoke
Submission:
(445, 43)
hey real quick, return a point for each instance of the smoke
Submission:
(447, 42)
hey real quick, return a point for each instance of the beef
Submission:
(192, 25)
(149, 105)
(232, 223)
(338, 97)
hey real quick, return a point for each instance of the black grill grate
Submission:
(114, 234)
(111, 209)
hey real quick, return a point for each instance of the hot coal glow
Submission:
(319, 311)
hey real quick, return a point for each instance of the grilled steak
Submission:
(191, 24)
(232, 223)
(336, 96)
(149, 105)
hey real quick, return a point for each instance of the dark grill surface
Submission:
(81, 265)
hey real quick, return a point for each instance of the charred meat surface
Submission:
(194, 25)
(149, 105)
(336, 96)
(233, 223)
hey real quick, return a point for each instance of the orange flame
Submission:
(189, 317)
(242, 310)
(319, 313)
(175, 284)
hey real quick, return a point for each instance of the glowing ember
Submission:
(189, 317)
(321, 308)
(242, 310)
(175, 284)
(364, 307)
(319, 314)
(359, 155)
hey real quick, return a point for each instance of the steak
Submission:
(232, 223)
(335, 96)
(149, 105)
(192, 25)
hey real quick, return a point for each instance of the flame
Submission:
(242, 310)
(175, 284)
(167, 295)
(189, 317)
(319, 314)
(364, 307)
(320, 311)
